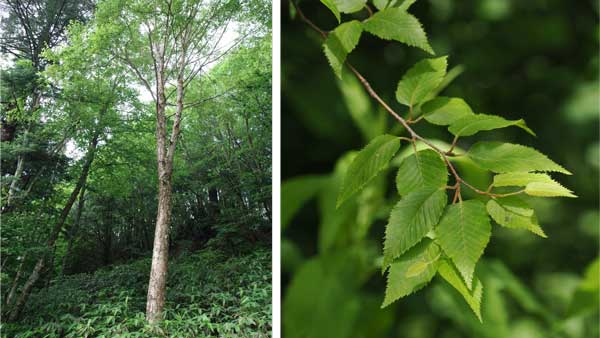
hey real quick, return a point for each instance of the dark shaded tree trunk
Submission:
(74, 229)
(41, 263)
(13, 289)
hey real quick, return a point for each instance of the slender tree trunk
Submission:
(13, 289)
(74, 229)
(165, 155)
(41, 263)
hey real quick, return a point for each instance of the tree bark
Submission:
(41, 263)
(74, 229)
(165, 154)
(13, 289)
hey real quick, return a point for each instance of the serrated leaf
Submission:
(463, 233)
(333, 8)
(444, 111)
(514, 213)
(506, 157)
(519, 179)
(536, 184)
(410, 221)
(367, 164)
(383, 4)
(396, 24)
(421, 79)
(404, 279)
(340, 43)
(472, 296)
(470, 125)
(423, 169)
(350, 6)
(547, 189)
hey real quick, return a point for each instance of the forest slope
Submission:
(210, 294)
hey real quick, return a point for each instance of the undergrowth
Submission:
(208, 295)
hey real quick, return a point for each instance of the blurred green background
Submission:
(536, 60)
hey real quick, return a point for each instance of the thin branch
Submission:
(414, 136)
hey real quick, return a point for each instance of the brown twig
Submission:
(413, 135)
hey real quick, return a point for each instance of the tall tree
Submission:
(173, 42)
(88, 94)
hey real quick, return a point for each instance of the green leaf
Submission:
(463, 233)
(553, 189)
(421, 79)
(367, 164)
(350, 6)
(411, 219)
(535, 184)
(506, 157)
(383, 4)
(471, 125)
(520, 179)
(340, 43)
(412, 271)
(423, 169)
(333, 8)
(297, 191)
(512, 212)
(396, 24)
(444, 111)
(472, 296)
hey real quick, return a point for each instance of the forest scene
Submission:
(414, 206)
(136, 168)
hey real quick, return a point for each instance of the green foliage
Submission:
(340, 43)
(463, 234)
(524, 284)
(506, 157)
(471, 125)
(425, 235)
(411, 219)
(423, 169)
(210, 295)
(396, 24)
(420, 80)
(445, 111)
(367, 164)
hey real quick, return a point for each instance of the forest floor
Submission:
(209, 294)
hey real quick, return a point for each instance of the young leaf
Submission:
(506, 157)
(472, 296)
(520, 179)
(412, 271)
(512, 212)
(340, 43)
(383, 4)
(551, 189)
(349, 6)
(423, 169)
(471, 125)
(333, 8)
(535, 184)
(367, 164)
(421, 79)
(396, 24)
(444, 111)
(463, 233)
(411, 219)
